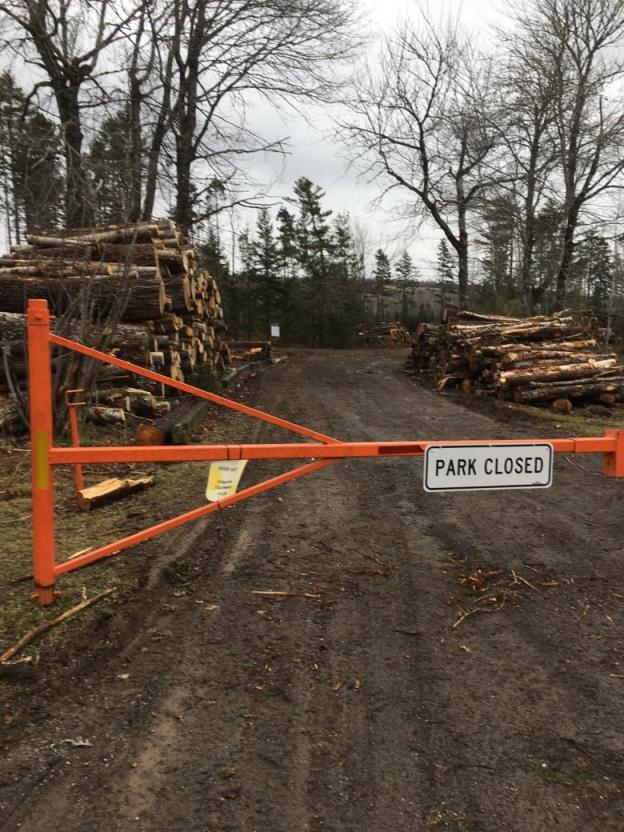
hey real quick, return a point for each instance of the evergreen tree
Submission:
(405, 273)
(38, 177)
(109, 170)
(266, 271)
(547, 256)
(246, 282)
(346, 290)
(381, 275)
(213, 256)
(287, 243)
(592, 273)
(498, 240)
(30, 180)
(445, 263)
(315, 247)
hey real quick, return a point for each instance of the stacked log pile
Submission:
(385, 334)
(535, 360)
(170, 316)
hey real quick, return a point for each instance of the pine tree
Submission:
(446, 263)
(315, 247)
(498, 239)
(287, 243)
(30, 179)
(108, 166)
(405, 273)
(381, 275)
(346, 289)
(213, 256)
(246, 284)
(592, 273)
(38, 174)
(266, 271)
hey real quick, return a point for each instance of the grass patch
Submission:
(178, 488)
(579, 422)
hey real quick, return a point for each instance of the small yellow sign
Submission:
(223, 478)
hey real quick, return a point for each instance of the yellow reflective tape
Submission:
(42, 479)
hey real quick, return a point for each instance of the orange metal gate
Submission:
(322, 450)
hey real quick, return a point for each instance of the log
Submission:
(145, 299)
(558, 372)
(109, 490)
(577, 390)
(105, 415)
(554, 356)
(139, 254)
(177, 426)
(76, 236)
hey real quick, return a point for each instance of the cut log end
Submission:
(562, 406)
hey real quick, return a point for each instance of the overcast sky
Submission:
(315, 153)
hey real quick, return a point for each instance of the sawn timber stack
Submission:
(169, 318)
(538, 360)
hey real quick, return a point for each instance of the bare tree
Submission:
(64, 41)
(526, 123)
(419, 119)
(574, 41)
(213, 55)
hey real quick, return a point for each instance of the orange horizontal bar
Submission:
(299, 450)
(189, 388)
(188, 517)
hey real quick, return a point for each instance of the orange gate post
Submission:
(40, 405)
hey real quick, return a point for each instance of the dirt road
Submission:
(362, 707)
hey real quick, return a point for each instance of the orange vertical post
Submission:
(40, 404)
(75, 431)
(614, 462)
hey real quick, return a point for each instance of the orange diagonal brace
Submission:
(189, 388)
(195, 514)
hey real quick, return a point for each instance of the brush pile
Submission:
(535, 360)
(139, 285)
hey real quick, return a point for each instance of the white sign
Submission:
(275, 331)
(223, 478)
(479, 467)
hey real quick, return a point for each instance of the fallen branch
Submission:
(47, 625)
(275, 593)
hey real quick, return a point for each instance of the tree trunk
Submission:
(77, 210)
(462, 246)
(566, 257)
(462, 275)
(184, 196)
(134, 209)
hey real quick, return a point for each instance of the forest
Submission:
(508, 148)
